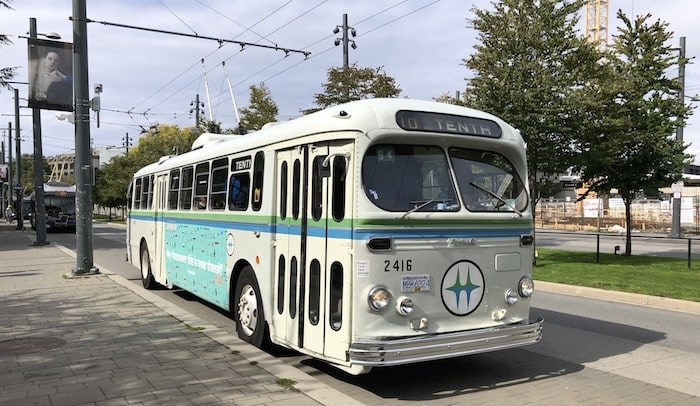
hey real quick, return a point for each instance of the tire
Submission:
(147, 278)
(248, 310)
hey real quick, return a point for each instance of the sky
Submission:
(152, 78)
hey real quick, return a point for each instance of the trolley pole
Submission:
(83, 154)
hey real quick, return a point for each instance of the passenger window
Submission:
(145, 186)
(174, 189)
(258, 170)
(296, 189)
(283, 191)
(186, 188)
(316, 188)
(137, 194)
(339, 173)
(201, 185)
(239, 191)
(219, 173)
(335, 306)
(314, 291)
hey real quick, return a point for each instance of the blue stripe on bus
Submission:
(358, 234)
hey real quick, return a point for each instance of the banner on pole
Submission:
(50, 74)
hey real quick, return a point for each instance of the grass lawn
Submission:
(654, 276)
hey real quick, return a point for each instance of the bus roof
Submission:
(53, 187)
(362, 115)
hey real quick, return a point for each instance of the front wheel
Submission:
(147, 278)
(250, 317)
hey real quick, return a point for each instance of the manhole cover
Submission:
(29, 345)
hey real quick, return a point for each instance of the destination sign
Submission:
(447, 123)
(241, 164)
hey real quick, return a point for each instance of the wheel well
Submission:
(142, 244)
(235, 274)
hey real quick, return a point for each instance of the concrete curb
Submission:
(620, 297)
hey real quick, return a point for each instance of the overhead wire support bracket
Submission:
(243, 44)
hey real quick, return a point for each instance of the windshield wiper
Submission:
(497, 197)
(420, 206)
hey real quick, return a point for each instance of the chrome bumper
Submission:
(377, 353)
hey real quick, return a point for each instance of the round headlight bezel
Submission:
(526, 286)
(511, 297)
(378, 299)
(404, 306)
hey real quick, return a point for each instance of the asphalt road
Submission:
(593, 352)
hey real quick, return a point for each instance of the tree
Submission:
(631, 145)
(261, 110)
(529, 63)
(6, 74)
(353, 83)
(113, 180)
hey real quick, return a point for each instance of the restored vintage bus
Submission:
(378, 232)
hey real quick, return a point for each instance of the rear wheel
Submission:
(147, 278)
(250, 317)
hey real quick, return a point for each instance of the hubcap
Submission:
(248, 310)
(144, 265)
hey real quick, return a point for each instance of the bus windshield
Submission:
(410, 178)
(488, 181)
(57, 206)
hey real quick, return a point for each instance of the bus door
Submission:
(326, 322)
(287, 245)
(315, 247)
(159, 205)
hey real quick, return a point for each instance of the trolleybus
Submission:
(375, 233)
(59, 203)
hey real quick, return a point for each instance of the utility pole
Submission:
(18, 187)
(676, 210)
(345, 40)
(83, 154)
(10, 182)
(195, 105)
(127, 143)
(39, 208)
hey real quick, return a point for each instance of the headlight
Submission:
(526, 286)
(511, 297)
(404, 306)
(378, 298)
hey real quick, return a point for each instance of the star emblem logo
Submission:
(462, 288)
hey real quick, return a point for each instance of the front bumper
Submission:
(375, 353)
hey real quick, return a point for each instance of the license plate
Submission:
(415, 283)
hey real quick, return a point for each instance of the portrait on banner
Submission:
(50, 75)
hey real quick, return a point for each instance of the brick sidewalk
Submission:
(93, 340)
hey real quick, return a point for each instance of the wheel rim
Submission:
(144, 264)
(248, 310)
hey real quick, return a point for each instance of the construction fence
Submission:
(608, 214)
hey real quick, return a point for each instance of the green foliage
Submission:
(529, 63)
(354, 83)
(630, 143)
(113, 180)
(6, 74)
(654, 276)
(261, 110)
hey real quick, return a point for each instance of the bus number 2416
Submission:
(399, 265)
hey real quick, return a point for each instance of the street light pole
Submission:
(83, 153)
(676, 209)
(39, 208)
(18, 187)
